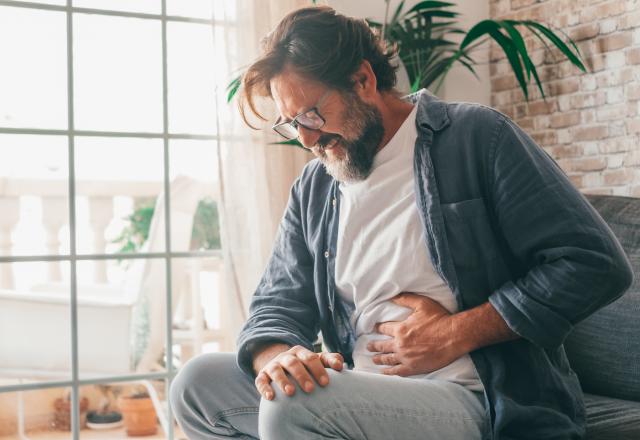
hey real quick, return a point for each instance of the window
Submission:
(109, 146)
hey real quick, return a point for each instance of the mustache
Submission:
(327, 140)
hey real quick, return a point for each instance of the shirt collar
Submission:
(432, 111)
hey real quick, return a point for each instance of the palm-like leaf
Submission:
(422, 36)
(424, 44)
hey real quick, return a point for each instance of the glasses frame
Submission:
(294, 123)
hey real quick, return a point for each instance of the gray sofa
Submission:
(604, 349)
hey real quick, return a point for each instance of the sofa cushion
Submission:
(612, 419)
(604, 349)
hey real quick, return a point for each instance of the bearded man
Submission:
(441, 253)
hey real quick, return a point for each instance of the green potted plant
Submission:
(204, 235)
(422, 37)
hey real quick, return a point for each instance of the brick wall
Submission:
(590, 123)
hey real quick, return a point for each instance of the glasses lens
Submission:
(286, 130)
(311, 120)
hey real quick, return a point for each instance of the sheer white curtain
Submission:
(255, 176)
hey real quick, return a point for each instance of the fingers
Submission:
(386, 359)
(296, 368)
(381, 346)
(313, 363)
(332, 360)
(296, 364)
(389, 328)
(408, 299)
(398, 370)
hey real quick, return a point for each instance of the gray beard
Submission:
(357, 163)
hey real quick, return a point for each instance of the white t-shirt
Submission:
(382, 251)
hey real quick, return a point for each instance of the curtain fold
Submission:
(254, 177)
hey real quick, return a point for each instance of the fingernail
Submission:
(268, 395)
(288, 389)
(308, 386)
(324, 380)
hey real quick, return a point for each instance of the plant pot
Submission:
(139, 416)
(62, 414)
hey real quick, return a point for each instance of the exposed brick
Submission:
(592, 180)
(633, 126)
(599, 191)
(613, 60)
(618, 40)
(590, 133)
(588, 164)
(632, 158)
(618, 177)
(629, 20)
(541, 107)
(611, 112)
(603, 10)
(616, 145)
(589, 99)
(545, 138)
(563, 86)
(609, 25)
(576, 180)
(566, 151)
(564, 119)
(501, 83)
(517, 4)
(632, 91)
(590, 122)
(615, 161)
(633, 56)
(584, 32)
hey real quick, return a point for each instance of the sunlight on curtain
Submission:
(256, 177)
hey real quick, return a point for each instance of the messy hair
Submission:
(322, 45)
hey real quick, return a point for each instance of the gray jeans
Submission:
(213, 399)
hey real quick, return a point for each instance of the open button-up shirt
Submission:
(503, 224)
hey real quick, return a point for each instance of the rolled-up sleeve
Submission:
(576, 265)
(283, 308)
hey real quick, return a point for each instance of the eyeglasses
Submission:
(309, 119)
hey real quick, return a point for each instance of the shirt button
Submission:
(326, 254)
(333, 202)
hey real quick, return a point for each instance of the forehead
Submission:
(294, 93)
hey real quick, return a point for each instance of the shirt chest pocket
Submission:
(469, 234)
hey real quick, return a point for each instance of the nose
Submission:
(308, 137)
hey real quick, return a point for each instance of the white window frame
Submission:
(73, 257)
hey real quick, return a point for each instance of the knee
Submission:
(206, 369)
(292, 416)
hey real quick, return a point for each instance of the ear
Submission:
(365, 82)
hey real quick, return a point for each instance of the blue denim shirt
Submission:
(502, 224)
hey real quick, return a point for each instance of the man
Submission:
(440, 251)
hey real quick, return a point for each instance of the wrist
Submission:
(264, 352)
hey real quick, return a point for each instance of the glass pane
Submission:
(192, 64)
(121, 320)
(194, 216)
(46, 413)
(118, 183)
(205, 318)
(191, 8)
(35, 342)
(48, 2)
(118, 73)
(119, 411)
(34, 197)
(145, 6)
(33, 77)
(228, 66)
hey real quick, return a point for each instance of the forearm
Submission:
(479, 327)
